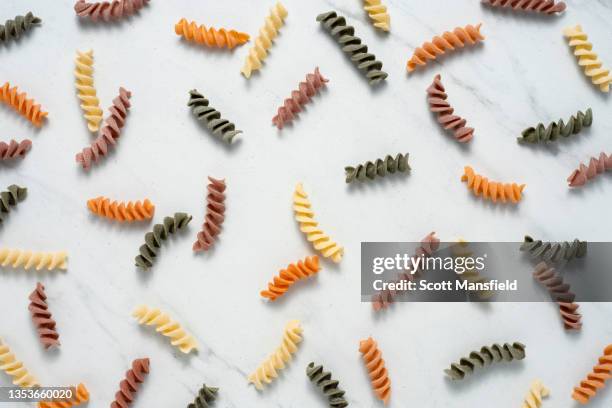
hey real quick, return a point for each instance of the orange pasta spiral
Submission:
(561, 294)
(215, 215)
(372, 357)
(122, 211)
(449, 41)
(287, 277)
(596, 379)
(19, 101)
(209, 37)
(492, 190)
(79, 396)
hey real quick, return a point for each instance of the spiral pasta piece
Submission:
(539, 6)
(268, 369)
(462, 250)
(121, 211)
(13, 195)
(263, 42)
(372, 358)
(161, 232)
(79, 396)
(555, 130)
(28, 108)
(209, 37)
(17, 258)
(554, 251)
(439, 45)
(289, 276)
(15, 368)
(492, 190)
(13, 29)
(358, 52)
(537, 392)
(583, 173)
(215, 215)
(110, 132)
(330, 388)
(129, 385)
(86, 91)
(587, 58)
(378, 14)
(561, 294)
(596, 379)
(219, 126)
(379, 168)
(108, 10)
(205, 398)
(166, 326)
(304, 215)
(14, 149)
(41, 316)
(293, 105)
(485, 357)
(438, 104)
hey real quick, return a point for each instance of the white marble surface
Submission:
(523, 73)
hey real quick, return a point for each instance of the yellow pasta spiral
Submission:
(267, 371)
(537, 391)
(166, 326)
(592, 65)
(17, 258)
(263, 42)
(90, 104)
(304, 215)
(13, 367)
(378, 14)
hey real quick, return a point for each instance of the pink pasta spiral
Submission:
(109, 133)
(41, 316)
(293, 105)
(108, 10)
(215, 215)
(14, 149)
(582, 174)
(540, 6)
(438, 104)
(560, 293)
(128, 386)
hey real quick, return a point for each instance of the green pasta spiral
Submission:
(555, 130)
(13, 29)
(379, 168)
(206, 397)
(323, 380)
(554, 251)
(9, 198)
(220, 127)
(153, 240)
(484, 358)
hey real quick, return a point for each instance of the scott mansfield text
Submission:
(447, 285)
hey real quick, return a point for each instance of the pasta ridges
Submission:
(582, 174)
(439, 45)
(13, 29)
(122, 211)
(209, 37)
(438, 104)
(596, 379)
(372, 357)
(41, 316)
(108, 10)
(15, 368)
(561, 294)
(80, 396)
(86, 91)
(168, 327)
(161, 232)
(492, 190)
(540, 6)
(587, 58)
(378, 14)
(17, 258)
(537, 392)
(219, 126)
(323, 380)
(215, 215)
(19, 101)
(129, 385)
(13, 195)
(554, 251)
(205, 398)
(14, 149)
(485, 357)
(555, 130)
(290, 275)
(379, 168)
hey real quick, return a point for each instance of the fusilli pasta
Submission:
(537, 392)
(108, 10)
(13, 29)
(485, 357)
(220, 127)
(561, 294)
(323, 380)
(304, 215)
(378, 14)
(14, 149)
(268, 369)
(439, 45)
(28, 108)
(161, 232)
(438, 104)
(582, 174)
(259, 52)
(587, 58)
(596, 379)
(15, 368)
(540, 6)
(121, 211)
(16, 258)
(129, 385)
(492, 190)
(41, 316)
(542, 134)
(209, 37)
(215, 215)
(10, 198)
(462, 250)
(372, 358)
(205, 398)
(79, 396)
(379, 168)
(86, 91)
(287, 277)
(293, 105)
(554, 251)
(168, 327)
(345, 36)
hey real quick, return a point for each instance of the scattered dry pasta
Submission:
(597, 165)
(537, 392)
(289, 276)
(492, 190)
(121, 211)
(153, 239)
(19, 101)
(268, 369)
(372, 358)
(13, 29)
(587, 58)
(485, 357)
(79, 396)
(14, 149)
(539, 6)
(378, 14)
(86, 91)
(596, 379)
(219, 126)
(168, 327)
(379, 168)
(108, 10)
(13, 367)
(438, 104)
(17, 258)
(129, 385)
(209, 37)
